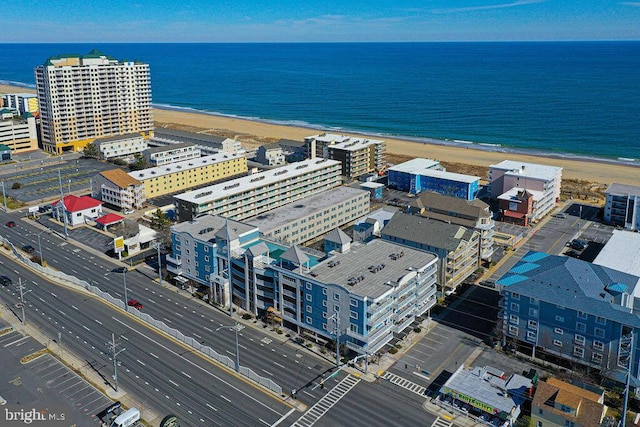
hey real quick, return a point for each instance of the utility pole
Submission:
(336, 320)
(228, 237)
(21, 300)
(159, 264)
(113, 347)
(64, 209)
(4, 196)
(235, 328)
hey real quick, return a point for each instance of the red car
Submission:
(135, 304)
(11, 224)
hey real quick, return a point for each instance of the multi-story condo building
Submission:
(473, 214)
(622, 206)
(120, 145)
(118, 188)
(417, 175)
(313, 216)
(358, 156)
(208, 144)
(361, 293)
(270, 155)
(258, 193)
(175, 177)
(575, 310)
(527, 176)
(560, 404)
(173, 153)
(457, 247)
(19, 133)
(23, 102)
(84, 97)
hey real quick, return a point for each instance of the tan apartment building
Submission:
(180, 176)
(559, 404)
(457, 247)
(84, 97)
(18, 132)
(357, 155)
(117, 188)
(468, 213)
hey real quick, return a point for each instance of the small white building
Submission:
(270, 155)
(528, 176)
(118, 188)
(120, 145)
(77, 209)
(166, 154)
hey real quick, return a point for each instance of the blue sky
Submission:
(317, 21)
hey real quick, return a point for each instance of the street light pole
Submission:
(336, 319)
(124, 281)
(235, 328)
(4, 196)
(21, 288)
(159, 265)
(64, 209)
(113, 347)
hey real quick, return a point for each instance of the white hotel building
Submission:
(255, 194)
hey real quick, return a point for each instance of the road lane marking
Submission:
(97, 321)
(141, 362)
(174, 383)
(210, 330)
(277, 364)
(154, 355)
(225, 398)
(185, 374)
(217, 410)
(284, 417)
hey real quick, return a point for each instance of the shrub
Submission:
(393, 350)
(398, 346)
(16, 185)
(309, 345)
(417, 329)
(279, 331)
(246, 316)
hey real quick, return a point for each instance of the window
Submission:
(598, 345)
(582, 315)
(336, 307)
(336, 297)
(324, 326)
(532, 324)
(513, 330)
(324, 315)
(308, 296)
(308, 309)
(353, 302)
(324, 291)
(559, 319)
(558, 331)
(599, 332)
(514, 319)
(596, 357)
(515, 307)
(324, 303)
(354, 328)
(578, 352)
(601, 320)
(531, 336)
(579, 339)
(515, 295)
(534, 301)
(581, 327)
(309, 286)
(533, 312)
(557, 343)
(309, 320)
(353, 314)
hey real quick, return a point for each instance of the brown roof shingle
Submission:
(120, 178)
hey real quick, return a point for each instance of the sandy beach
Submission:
(593, 171)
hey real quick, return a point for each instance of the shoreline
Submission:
(603, 171)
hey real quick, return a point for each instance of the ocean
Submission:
(575, 99)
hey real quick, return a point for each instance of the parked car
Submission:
(488, 283)
(561, 215)
(129, 211)
(572, 253)
(5, 281)
(135, 304)
(29, 249)
(11, 224)
(577, 244)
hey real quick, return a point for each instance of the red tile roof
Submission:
(109, 219)
(75, 204)
(512, 214)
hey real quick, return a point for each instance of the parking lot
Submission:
(45, 384)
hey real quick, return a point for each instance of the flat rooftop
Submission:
(303, 207)
(623, 189)
(529, 170)
(451, 176)
(182, 166)
(170, 147)
(357, 263)
(251, 182)
(415, 166)
(343, 139)
(622, 252)
(513, 192)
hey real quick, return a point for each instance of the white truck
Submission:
(128, 418)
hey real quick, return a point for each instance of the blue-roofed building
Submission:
(582, 312)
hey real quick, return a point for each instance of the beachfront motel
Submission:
(255, 194)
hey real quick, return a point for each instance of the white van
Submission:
(128, 418)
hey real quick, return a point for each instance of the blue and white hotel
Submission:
(579, 311)
(364, 293)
